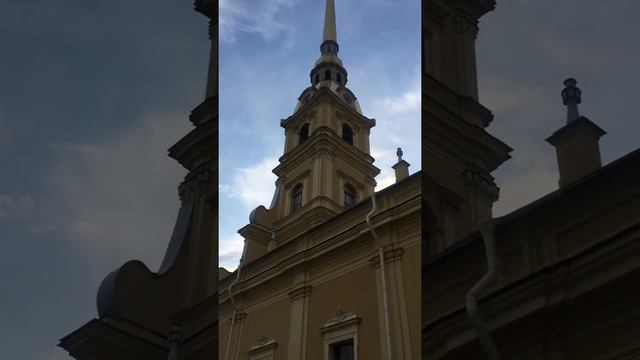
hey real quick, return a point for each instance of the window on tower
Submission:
(339, 78)
(296, 197)
(347, 134)
(303, 135)
(317, 79)
(349, 196)
(327, 75)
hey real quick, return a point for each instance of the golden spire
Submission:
(329, 33)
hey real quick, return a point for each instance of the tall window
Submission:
(296, 197)
(347, 134)
(339, 78)
(349, 196)
(342, 350)
(317, 79)
(303, 135)
(327, 75)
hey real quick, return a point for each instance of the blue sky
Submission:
(265, 58)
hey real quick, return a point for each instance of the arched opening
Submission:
(296, 197)
(316, 79)
(303, 135)
(349, 196)
(327, 75)
(339, 78)
(347, 134)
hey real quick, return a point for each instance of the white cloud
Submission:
(260, 17)
(408, 101)
(16, 207)
(116, 200)
(398, 125)
(384, 182)
(383, 154)
(230, 251)
(254, 185)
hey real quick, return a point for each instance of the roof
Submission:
(632, 158)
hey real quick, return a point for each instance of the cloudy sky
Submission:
(93, 93)
(91, 96)
(265, 58)
(526, 49)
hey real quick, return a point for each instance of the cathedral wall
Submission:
(353, 292)
(271, 320)
(411, 261)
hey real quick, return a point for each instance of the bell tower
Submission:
(459, 154)
(326, 167)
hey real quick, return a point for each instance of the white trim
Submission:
(264, 349)
(341, 328)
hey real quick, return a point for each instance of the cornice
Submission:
(280, 261)
(390, 256)
(301, 292)
(324, 141)
(326, 95)
(547, 290)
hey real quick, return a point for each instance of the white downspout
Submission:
(233, 303)
(382, 273)
(487, 229)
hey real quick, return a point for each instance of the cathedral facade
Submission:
(558, 278)
(331, 270)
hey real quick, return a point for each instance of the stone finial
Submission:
(401, 168)
(571, 97)
(576, 143)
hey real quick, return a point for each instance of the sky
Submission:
(93, 93)
(525, 50)
(266, 55)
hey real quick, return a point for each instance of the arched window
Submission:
(296, 197)
(349, 196)
(347, 134)
(303, 135)
(339, 78)
(327, 75)
(317, 79)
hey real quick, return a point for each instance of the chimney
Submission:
(401, 168)
(576, 143)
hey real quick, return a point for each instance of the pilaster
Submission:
(298, 323)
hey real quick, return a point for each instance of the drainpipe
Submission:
(382, 273)
(233, 303)
(487, 229)
(175, 339)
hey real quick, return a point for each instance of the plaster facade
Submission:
(567, 271)
(311, 277)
